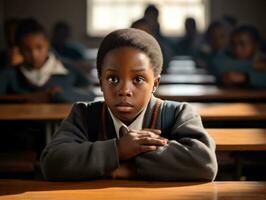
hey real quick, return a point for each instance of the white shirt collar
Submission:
(40, 76)
(136, 124)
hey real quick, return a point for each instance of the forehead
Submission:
(243, 36)
(125, 58)
(33, 38)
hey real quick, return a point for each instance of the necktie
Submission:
(122, 131)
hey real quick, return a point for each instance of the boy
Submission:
(243, 66)
(41, 77)
(132, 134)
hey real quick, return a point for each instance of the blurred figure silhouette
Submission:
(245, 63)
(42, 77)
(216, 40)
(61, 42)
(10, 56)
(150, 24)
(190, 41)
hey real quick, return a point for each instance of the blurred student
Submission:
(41, 77)
(62, 44)
(190, 42)
(150, 24)
(10, 56)
(216, 41)
(245, 64)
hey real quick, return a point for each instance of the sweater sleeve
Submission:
(72, 155)
(189, 155)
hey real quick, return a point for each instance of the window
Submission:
(104, 16)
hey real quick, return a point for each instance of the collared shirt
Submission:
(136, 124)
(40, 76)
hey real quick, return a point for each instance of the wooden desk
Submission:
(204, 79)
(34, 112)
(118, 189)
(208, 93)
(239, 139)
(50, 114)
(53, 112)
(233, 112)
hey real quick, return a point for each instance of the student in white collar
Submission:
(42, 77)
(161, 141)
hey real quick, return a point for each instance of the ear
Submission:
(156, 83)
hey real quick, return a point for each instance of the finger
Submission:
(152, 141)
(156, 131)
(143, 133)
(147, 148)
(146, 132)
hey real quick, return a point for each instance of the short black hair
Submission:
(250, 30)
(28, 26)
(134, 38)
(214, 25)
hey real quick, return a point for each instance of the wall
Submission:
(246, 11)
(74, 12)
(50, 11)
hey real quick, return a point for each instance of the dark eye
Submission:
(113, 79)
(138, 79)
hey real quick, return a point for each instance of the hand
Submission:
(260, 65)
(124, 171)
(53, 90)
(139, 141)
(234, 78)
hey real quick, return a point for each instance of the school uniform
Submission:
(20, 80)
(85, 147)
(224, 62)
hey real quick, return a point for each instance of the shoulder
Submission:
(178, 110)
(177, 106)
(83, 106)
(83, 111)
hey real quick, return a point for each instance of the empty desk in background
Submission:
(208, 93)
(237, 115)
(248, 139)
(125, 189)
(204, 79)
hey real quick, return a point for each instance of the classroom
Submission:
(133, 99)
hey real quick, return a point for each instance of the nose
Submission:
(34, 55)
(125, 89)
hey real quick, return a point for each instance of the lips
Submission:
(124, 107)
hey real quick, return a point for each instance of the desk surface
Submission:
(36, 112)
(115, 189)
(210, 93)
(248, 139)
(232, 111)
(188, 79)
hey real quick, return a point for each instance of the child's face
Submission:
(34, 48)
(219, 38)
(243, 46)
(127, 81)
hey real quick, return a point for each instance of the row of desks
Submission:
(247, 139)
(203, 93)
(119, 189)
(212, 112)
